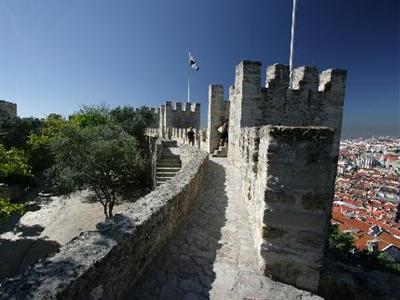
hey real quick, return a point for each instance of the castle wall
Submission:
(286, 183)
(315, 100)
(218, 113)
(182, 115)
(8, 108)
(285, 142)
(178, 115)
(106, 263)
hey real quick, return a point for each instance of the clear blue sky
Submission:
(56, 55)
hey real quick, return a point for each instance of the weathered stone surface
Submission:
(315, 201)
(105, 263)
(218, 113)
(287, 190)
(212, 255)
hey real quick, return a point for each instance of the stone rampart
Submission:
(179, 115)
(106, 263)
(314, 100)
(218, 113)
(287, 183)
(153, 132)
(286, 142)
(180, 136)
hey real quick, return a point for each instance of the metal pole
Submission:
(188, 87)
(292, 42)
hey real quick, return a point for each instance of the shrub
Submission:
(7, 209)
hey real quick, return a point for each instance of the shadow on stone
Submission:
(15, 255)
(184, 268)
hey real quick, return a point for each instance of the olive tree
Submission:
(104, 158)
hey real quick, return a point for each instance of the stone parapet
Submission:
(315, 99)
(288, 182)
(180, 136)
(106, 263)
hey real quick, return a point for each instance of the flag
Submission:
(193, 63)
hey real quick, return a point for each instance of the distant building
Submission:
(366, 162)
(8, 109)
(377, 148)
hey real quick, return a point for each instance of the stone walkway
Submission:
(212, 254)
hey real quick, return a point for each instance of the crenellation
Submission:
(277, 78)
(285, 142)
(305, 79)
(177, 106)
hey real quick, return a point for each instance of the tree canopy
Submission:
(104, 158)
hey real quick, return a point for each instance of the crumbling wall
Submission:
(106, 263)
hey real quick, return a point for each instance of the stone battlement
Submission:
(182, 106)
(285, 140)
(178, 115)
(315, 99)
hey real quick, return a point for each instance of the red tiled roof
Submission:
(351, 224)
(362, 243)
(384, 226)
(390, 239)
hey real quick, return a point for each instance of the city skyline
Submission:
(58, 55)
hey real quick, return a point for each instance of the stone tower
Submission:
(285, 142)
(8, 108)
(178, 115)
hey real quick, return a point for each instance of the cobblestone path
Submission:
(212, 255)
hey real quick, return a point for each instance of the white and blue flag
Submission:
(193, 63)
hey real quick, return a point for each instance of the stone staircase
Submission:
(222, 151)
(168, 165)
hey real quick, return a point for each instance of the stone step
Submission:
(221, 152)
(168, 169)
(170, 156)
(165, 174)
(168, 165)
(170, 159)
(162, 179)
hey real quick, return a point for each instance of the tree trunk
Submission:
(106, 210)
(110, 208)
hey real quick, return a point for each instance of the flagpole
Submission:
(188, 86)
(188, 82)
(292, 40)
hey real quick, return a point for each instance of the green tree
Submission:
(7, 209)
(104, 159)
(40, 154)
(91, 116)
(15, 131)
(340, 241)
(14, 167)
(133, 121)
